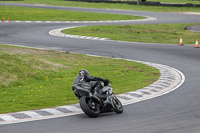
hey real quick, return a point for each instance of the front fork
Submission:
(110, 100)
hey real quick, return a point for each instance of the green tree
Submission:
(142, 0)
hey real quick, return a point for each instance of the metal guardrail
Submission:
(143, 2)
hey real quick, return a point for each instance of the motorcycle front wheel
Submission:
(89, 106)
(118, 108)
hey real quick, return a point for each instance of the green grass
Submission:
(36, 14)
(32, 79)
(149, 33)
(115, 6)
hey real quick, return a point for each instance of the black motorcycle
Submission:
(93, 104)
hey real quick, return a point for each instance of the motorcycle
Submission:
(93, 104)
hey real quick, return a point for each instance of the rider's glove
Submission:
(106, 82)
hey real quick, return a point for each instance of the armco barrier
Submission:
(153, 3)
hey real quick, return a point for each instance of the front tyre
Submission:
(118, 108)
(89, 106)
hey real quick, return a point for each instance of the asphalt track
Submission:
(175, 112)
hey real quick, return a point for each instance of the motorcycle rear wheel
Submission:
(89, 106)
(118, 108)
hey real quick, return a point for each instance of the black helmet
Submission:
(84, 72)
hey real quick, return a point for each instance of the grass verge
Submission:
(32, 79)
(149, 33)
(37, 14)
(115, 5)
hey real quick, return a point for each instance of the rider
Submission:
(83, 80)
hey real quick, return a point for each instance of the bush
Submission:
(11, 0)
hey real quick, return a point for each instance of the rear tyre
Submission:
(89, 106)
(118, 108)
